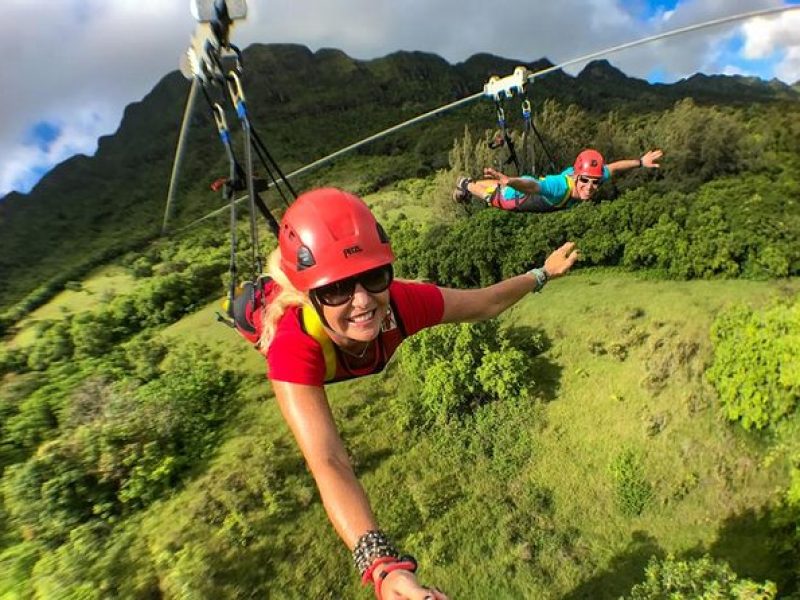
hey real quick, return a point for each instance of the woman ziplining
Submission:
(332, 310)
(576, 184)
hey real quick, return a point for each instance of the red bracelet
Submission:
(366, 578)
(407, 564)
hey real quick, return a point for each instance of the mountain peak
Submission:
(601, 69)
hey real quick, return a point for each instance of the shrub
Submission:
(453, 369)
(631, 490)
(703, 578)
(124, 447)
(755, 368)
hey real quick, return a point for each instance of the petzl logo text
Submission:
(352, 250)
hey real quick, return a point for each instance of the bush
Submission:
(53, 344)
(121, 449)
(12, 360)
(53, 492)
(703, 578)
(631, 490)
(755, 369)
(453, 369)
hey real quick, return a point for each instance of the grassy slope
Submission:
(470, 520)
(535, 516)
(111, 279)
(706, 475)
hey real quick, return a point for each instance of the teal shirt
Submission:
(553, 188)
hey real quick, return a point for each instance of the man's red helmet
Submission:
(590, 163)
(327, 235)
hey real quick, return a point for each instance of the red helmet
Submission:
(589, 162)
(327, 235)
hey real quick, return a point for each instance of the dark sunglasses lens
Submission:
(336, 293)
(339, 292)
(377, 280)
(589, 180)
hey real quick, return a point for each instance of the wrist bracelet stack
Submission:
(370, 547)
(374, 550)
(541, 277)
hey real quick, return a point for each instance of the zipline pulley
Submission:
(216, 66)
(500, 89)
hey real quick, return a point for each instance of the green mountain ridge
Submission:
(306, 104)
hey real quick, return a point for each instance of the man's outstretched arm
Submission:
(649, 160)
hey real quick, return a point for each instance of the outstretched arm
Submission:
(305, 408)
(485, 303)
(649, 160)
(524, 185)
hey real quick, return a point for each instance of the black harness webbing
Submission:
(501, 121)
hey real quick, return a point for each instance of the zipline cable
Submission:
(179, 153)
(666, 34)
(531, 77)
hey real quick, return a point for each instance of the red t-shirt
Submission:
(296, 357)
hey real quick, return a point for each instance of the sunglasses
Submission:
(339, 292)
(589, 180)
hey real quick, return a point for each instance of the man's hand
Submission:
(650, 159)
(491, 173)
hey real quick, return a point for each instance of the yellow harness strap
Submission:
(568, 194)
(313, 327)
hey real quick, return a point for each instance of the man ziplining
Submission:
(576, 184)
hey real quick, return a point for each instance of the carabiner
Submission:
(526, 109)
(236, 92)
(501, 116)
(222, 123)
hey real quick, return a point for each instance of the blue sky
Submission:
(654, 7)
(67, 94)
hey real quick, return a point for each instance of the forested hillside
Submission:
(632, 431)
(305, 105)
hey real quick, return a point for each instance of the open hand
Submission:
(561, 260)
(491, 173)
(650, 159)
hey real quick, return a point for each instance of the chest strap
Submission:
(312, 325)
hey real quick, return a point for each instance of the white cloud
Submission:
(67, 56)
(734, 70)
(763, 37)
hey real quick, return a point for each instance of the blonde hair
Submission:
(288, 296)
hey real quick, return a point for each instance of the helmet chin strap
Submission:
(318, 307)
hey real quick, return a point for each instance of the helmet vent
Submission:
(382, 234)
(304, 258)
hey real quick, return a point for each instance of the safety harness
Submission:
(216, 65)
(534, 203)
(247, 313)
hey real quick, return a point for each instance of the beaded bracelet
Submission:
(369, 547)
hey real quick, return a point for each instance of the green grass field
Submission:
(535, 517)
(203, 326)
(519, 501)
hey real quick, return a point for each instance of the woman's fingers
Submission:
(434, 594)
(566, 248)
